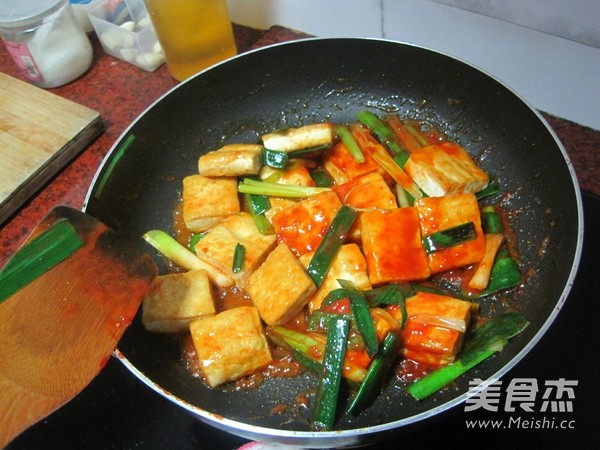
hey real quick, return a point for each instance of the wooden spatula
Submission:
(57, 332)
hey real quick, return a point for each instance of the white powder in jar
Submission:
(51, 51)
(61, 50)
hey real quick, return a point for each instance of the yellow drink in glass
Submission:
(194, 34)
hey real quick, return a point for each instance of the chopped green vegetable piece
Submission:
(320, 320)
(258, 205)
(38, 256)
(274, 158)
(310, 348)
(239, 253)
(391, 294)
(321, 178)
(384, 134)
(169, 247)
(401, 159)
(491, 221)
(333, 296)
(416, 134)
(249, 186)
(330, 244)
(346, 136)
(449, 237)
(329, 383)
(362, 316)
(194, 239)
(483, 343)
(492, 188)
(295, 339)
(378, 369)
(505, 272)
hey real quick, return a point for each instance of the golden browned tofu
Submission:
(174, 300)
(392, 245)
(232, 160)
(435, 327)
(208, 201)
(441, 213)
(348, 264)
(280, 287)
(303, 225)
(445, 169)
(230, 345)
(217, 246)
(296, 173)
(308, 136)
(342, 166)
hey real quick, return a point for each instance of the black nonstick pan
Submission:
(139, 185)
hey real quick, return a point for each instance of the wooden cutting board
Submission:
(40, 133)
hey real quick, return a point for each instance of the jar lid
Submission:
(20, 12)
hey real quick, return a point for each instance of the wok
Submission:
(333, 79)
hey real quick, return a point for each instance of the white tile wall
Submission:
(577, 20)
(556, 75)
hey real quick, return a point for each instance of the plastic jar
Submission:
(45, 40)
(81, 8)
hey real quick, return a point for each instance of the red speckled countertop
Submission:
(121, 91)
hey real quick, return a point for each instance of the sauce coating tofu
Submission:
(425, 339)
(230, 344)
(342, 166)
(348, 264)
(232, 160)
(280, 287)
(445, 169)
(392, 246)
(208, 201)
(217, 246)
(368, 191)
(296, 173)
(174, 300)
(303, 225)
(441, 213)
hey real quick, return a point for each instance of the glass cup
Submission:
(194, 34)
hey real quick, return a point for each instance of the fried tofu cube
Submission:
(427, 336)
(230, 345)
(208, 201)
(445, 169)
(174, 300)
(369, 191)
(349, 264)
(217, 246)
(280, 287)
(441, 213)
(391, 241)
(295, 173)
(303, 225)
(307, 136)
(342, 166)
(232, 160)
